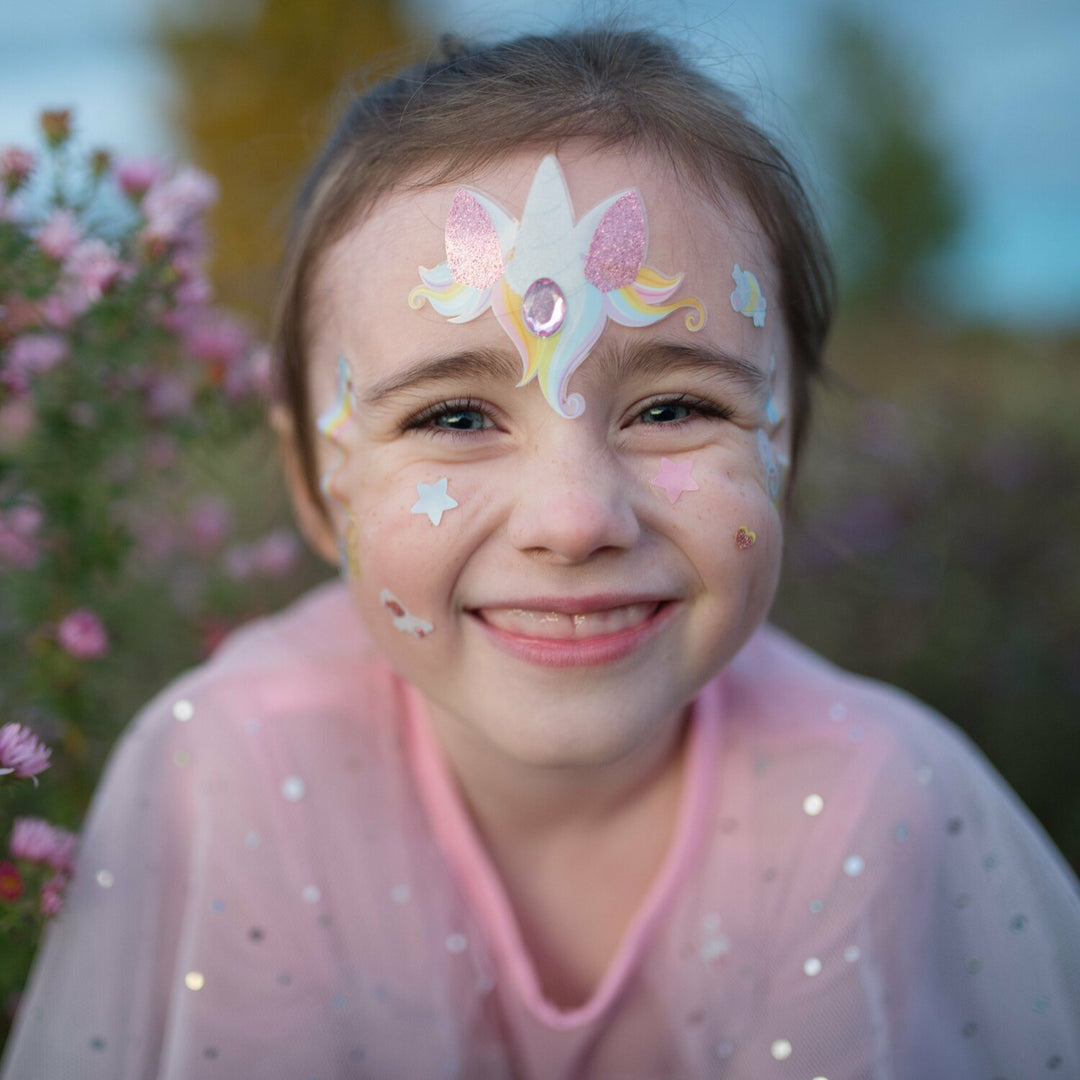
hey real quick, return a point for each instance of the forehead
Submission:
(359, 303)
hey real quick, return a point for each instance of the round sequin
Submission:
(855, 733)
(292, 788)
(813, 805)
(401, 894)
(543, 307)
(924, 774)
(284, 979)
(962, 900)
(812, 966)
(252, 725)
(837, 712)
(780, 1049)
(183, 710)
(990, 862)
(1041, 1004)
(854, 865)
(901, 832)
(194, 980)
(816, 907)
(97, 1043)
(340, 1001)
(211, 1053)
(852, 953)
(969, 1029)
(1055, 1062)
(1018, 923)
(252, 841)
(182, 758)
(954, 826)
(457, 943)
(724, 1050)
(311, 894)
(714, 948)
(711, 922)
(973, 966)
(105, 879)
(217, 906)
(256, 933)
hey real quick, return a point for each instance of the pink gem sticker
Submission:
(543, 308)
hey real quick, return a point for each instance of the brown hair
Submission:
(439, 121)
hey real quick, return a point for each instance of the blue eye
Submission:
(461, 420)
(665, 412)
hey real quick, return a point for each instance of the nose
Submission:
(573, 500)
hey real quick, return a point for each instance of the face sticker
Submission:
(745, 538)
(403, 621)
(746, 297)
(771, 463)
(433, 500)
(551, 283)
(772, 415)
(331, 422)
(674, 477)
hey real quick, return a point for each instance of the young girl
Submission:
(534, 791)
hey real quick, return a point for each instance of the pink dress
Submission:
(278, 880)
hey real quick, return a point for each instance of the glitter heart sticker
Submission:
(745, 538)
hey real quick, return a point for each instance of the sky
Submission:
(1001, 77)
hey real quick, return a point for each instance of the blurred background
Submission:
(937, 522)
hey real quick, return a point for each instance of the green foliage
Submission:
(898, 202)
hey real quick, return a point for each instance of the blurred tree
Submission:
(897, 201)
(254, 82)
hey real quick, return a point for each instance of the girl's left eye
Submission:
(680, 410)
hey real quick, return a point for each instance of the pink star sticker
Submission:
(674, 477)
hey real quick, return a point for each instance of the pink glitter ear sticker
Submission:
(674, 477)
(403, 620)
(617, 250)
(745, 538)
(552, 282)
(472, 244)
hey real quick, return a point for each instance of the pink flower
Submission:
(276, 553)
(173, 207)
(137, 175)
(21, 752)
(18, 532)
(16, 165)
(93, 265)
(208, 524)
(35, 840)
(11, 882)
(82, 635)
(52, 895)
(59, 235)
(239, 562)
(30, 355)
(167, 395)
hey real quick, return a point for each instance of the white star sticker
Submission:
(433, 500)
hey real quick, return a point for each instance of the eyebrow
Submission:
(647, 358)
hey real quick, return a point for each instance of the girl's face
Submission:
(557, 589)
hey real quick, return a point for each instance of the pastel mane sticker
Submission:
(551, 283)
(403, 620)
(433, 500)
(747, 297)
(330, 425)
(674, 477)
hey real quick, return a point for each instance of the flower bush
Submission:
(126, 396)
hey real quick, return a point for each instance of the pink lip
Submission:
(582, 652)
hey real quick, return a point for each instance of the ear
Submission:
(316, 526)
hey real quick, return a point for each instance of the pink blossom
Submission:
(173, 206)
(276, 554)
(30, 355)
(94, 266)
(21, 752)
(239, 562)
(208, 523)
(16, 165)
(217, 340)
(59, 235)
(167, 395)
(18, 543)
(36, 840)
(82, 634)
(61, 308)
(161, 451)
(137, 175)
(52, 895)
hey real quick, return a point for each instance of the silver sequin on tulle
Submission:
(183, 710)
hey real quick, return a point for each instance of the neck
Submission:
(522, 801)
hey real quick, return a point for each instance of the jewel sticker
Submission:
(674, 477)
(403, 620)
(745, 538)
(433, 500)
(334, 419)
(551, 283)
(746, 297)
(772, 415)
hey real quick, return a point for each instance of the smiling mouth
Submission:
(566, 626)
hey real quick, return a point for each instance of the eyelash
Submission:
(423, 421)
